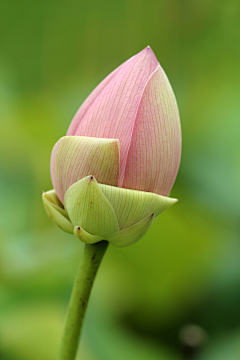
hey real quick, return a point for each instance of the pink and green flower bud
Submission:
(114, 169)
(136, 105)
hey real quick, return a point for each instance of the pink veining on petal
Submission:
(155, 151)
(111, 109)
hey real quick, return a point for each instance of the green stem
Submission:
(92, 256)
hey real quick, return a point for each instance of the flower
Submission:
(114, 169)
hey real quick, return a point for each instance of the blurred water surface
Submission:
(186, 270)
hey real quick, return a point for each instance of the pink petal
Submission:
(155, 151)
(110, 110)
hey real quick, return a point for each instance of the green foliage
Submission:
(187, 268)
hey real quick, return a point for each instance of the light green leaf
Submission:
(132, 206)
(89, 209)
(56, 212)
(132, 234)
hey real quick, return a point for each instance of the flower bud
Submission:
(114, 169)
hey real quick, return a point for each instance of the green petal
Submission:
(88, 208)
(85, 237)
(55, 202)
(74, 157)
(131, 206)
(132, 234)
(56, 212)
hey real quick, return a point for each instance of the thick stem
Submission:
(92, 256)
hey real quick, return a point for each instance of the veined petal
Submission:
(131, 234)
(74, 157)
(131, 206)
(88, 208)
(155, 151)
(110, 111)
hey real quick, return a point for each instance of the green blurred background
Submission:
(175, 295)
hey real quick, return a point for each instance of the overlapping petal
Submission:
(155, 151)
(121, 238)
(89, 209)
(96, 212)
(74, 157)
(56, 212)
(131, 206)
(103, 210)
(111, 110)
(131, 234)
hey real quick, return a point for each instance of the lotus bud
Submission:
(113, 171)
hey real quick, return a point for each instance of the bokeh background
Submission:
(175, 295)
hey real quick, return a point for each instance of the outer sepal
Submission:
(89, 208)
(102, 212)
(85, 237)
(132, 206)
(56, 212)
(132, 234)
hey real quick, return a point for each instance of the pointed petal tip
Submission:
(149, 51)
(171, 201)
(45, 196)
(56, 214)
(147, 48)
(146, 57)
(91, 179)
(86, 237)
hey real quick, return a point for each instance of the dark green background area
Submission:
(186, 270)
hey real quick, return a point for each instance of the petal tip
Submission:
(150, 52)
(86, 237)
(91, 179)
